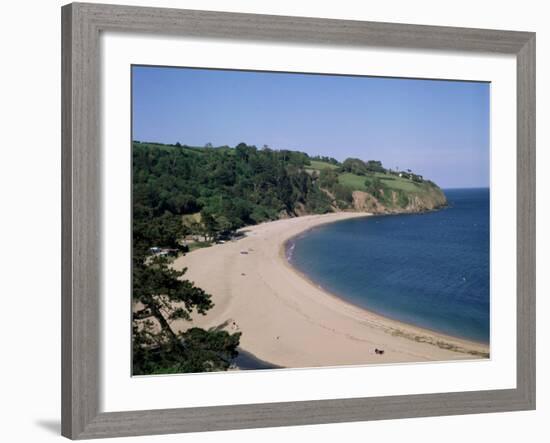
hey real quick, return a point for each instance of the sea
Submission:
(430, 270)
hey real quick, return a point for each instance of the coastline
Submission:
(407, 330)
(288, 320)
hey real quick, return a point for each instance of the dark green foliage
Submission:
(148, 230)
(153, 280)
(161, 296)
(376, 188)
(328, 179)
(318, 202)
(343, 194)
(359, 167)
(165, 188)
(355, 166)
(231, 187)
(402, 198)
(200, 351)
(385, 194)
(375, 166)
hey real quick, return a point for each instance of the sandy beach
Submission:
(287, 320)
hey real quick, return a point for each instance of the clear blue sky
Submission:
(439, 129)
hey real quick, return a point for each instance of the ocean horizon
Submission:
(429, 270)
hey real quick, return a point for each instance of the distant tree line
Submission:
(233, 187)
(323, 158)
(230, 188)
(360, 167)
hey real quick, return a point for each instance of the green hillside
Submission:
(319, 165)
(226, 188)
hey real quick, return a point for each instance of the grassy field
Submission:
(357, 182)
(395, 182)
(391, 181)
(317, 165)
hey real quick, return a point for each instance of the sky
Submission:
(439, 129)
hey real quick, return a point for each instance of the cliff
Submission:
(427, 199)
(379, 192)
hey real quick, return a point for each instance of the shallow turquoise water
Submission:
(431, 269)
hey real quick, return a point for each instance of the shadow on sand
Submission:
(247, 361)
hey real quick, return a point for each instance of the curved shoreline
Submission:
(288, 320)
(408, 330)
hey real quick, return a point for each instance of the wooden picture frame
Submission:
(81, 27)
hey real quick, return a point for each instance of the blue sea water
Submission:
(430, 270)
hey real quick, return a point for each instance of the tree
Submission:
(375, 166)
(210, 225)
(326, 159)
(149, 231)
(328, 178)
(343, 194)
(355, 166)
(375, 187)
(160, 297)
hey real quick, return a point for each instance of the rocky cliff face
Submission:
(429, 199)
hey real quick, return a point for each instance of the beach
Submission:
(287, 320)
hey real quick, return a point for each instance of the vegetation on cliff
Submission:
(215, 191)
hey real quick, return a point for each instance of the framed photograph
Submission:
(273, 221)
